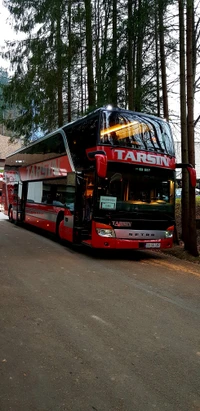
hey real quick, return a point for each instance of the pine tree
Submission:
(38, 61)
(4, 79)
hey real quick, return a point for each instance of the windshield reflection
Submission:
(124, 192)
(137, 131)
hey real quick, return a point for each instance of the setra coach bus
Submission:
(106, 180)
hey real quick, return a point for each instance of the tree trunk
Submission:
(89, 57)
(59, 64)
(191, 241)
(134, 54)
(130, 31)
(184, 141)
(69, 63)
(97, 50)
(139, 46)
(163, 61)
(103, 92)
(81, 100)
(114, 56)
(157, 62)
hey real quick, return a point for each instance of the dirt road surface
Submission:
(85, 332)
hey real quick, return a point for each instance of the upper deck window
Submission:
(82, 135)
(50, 147)
(142, 132)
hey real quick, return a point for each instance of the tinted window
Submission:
(80, 137)
(138, 131)
(51, 147)
(51, 192)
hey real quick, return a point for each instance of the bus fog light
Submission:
(169, 234)
(105, 232)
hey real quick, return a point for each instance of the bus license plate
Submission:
(152, 245)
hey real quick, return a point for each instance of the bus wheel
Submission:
(10, 215)
(59, 225)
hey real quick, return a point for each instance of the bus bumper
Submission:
(130, 244)
(98, 241)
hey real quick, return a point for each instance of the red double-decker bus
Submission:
(106, 180)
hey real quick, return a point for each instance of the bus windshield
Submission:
(142, 132)
(129, 189)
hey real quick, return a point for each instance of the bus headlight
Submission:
(105, 232)
(169, 234)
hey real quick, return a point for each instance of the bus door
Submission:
(66, 227)
(24, 199)
(17, 195)
(78, 210)
(83, 206)
(0, 199)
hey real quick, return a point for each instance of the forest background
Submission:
(74, 56)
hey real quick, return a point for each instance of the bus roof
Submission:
(108, 108)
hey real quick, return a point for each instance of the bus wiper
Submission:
(168, 216)
(156, 149)
(125, 213)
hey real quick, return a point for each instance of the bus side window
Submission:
(81, 137)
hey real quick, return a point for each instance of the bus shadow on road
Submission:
(98, 254)
(133, 255)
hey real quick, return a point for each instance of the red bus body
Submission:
(89, 189)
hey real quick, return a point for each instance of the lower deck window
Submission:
(51, 192)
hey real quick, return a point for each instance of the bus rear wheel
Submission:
(58, 228)
(10, 215)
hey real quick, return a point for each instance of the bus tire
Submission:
(10, 215)
(58, 222)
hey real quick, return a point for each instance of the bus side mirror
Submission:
(192, 176)
(101, 165)
(101, 161)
